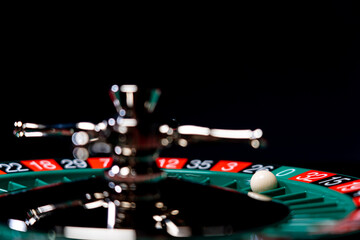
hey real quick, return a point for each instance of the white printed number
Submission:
(13, 167)
(257, 167)
(198, 164)
(334, 181)
(71, 164)
(105, 162)
(285, 172)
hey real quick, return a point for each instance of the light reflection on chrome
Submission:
(129, 90)
(17, 225)
(36, 214)
(255, 143)
(111, 216)
(86, 126)
(163, 222)
(236, 134)
(96, 204)
(99, 233)
(127, 122)
(81, 153)
(31, 134)
(80, 138)
(176, 231)
(33, 125)
(193, 130)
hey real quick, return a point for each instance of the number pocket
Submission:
(171, 163)
(257, 167)
(73, 164)
(311, 176)
(230, 166)
(42, 165)
(13, 167)
(198, 164)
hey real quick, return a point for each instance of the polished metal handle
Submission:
(184, 134)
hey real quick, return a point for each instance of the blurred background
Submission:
(291, 69)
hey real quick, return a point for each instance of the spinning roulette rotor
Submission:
(117, 186)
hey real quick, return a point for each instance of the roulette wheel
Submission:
(119, 186)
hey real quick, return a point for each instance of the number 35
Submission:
(198, 164)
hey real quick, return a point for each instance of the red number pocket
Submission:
(171, 163)
(311, 176)
(100, 162)
(230, 166)
(42, 165)
(347, 187)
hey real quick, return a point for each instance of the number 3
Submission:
(231, 166)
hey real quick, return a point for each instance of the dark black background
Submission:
(291, 69)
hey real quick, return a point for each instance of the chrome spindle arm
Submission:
(41, 130)
(185, 134)
(81, 132)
